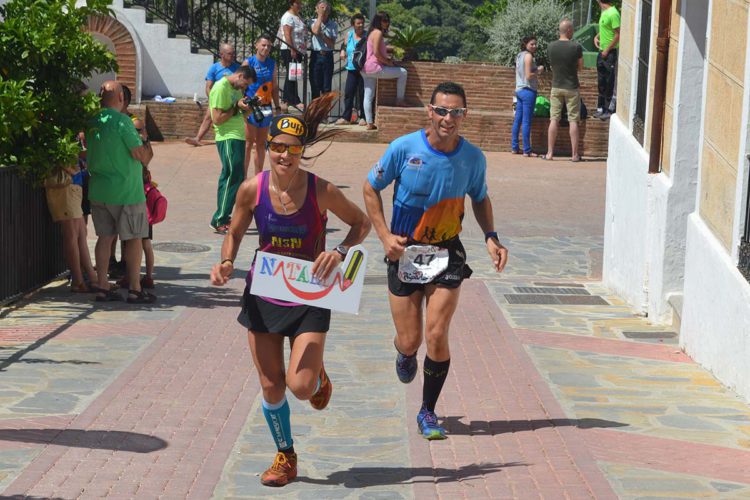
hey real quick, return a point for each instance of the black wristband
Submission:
(490, 234)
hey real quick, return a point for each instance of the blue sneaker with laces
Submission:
(428, 425)
(406, 367)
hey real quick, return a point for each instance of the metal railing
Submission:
(31, 244)
(210, 23)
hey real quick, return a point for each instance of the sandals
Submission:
(106, 295)
(576, 159)
(80, 288)
(140, 297)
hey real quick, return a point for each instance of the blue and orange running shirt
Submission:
(428, 198)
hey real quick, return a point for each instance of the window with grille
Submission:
(641, 91)
(744, 260)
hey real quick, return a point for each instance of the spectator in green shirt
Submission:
(226, 104)
(607, 41)
(118, 204)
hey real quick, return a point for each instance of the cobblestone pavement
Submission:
(557, 390)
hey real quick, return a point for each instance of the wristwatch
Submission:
(341, 250)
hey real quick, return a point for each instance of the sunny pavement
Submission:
(573, 396)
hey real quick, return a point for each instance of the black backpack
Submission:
(359, 56)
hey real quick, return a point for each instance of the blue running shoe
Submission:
(428, 425)
(406, 367)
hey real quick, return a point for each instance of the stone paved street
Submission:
(556, 390)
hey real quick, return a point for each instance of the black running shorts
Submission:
(457, 271)
(262, 316)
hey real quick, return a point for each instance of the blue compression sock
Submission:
(279, 422)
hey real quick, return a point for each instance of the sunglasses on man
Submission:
(454, 112)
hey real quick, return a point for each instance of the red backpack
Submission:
(156, 204)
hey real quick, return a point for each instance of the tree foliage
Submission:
(540, 18)
(45, 56)
(409, 39)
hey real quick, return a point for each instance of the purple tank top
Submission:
(301, 235)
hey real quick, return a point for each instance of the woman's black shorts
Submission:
(262, 316)
(457, 271)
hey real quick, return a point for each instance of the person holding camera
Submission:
(260, 95)
(227, 105)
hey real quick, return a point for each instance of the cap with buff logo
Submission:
(287, 124)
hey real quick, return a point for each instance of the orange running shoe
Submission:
(320, 399)
(283, 470)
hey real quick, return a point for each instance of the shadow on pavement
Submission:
(490, 428)
(100, 440)
(360, 477)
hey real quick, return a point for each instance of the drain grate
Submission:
(180, 247)
(547, 283)
(544, 299)
(376, 280)
(650, 335)
(550, 290)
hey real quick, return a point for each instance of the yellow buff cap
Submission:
(287, 124)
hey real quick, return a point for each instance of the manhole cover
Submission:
(178, 247)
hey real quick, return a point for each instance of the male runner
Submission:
(434, 169)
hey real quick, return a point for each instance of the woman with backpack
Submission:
(355, 44)
(379, 65)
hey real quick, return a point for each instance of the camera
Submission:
(253, 102)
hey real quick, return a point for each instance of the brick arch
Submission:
(125, 50)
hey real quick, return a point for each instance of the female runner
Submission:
(289, 206)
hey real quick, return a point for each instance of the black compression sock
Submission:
(435, 373)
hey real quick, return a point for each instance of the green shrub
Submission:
(540, 18)
(409, 39)
(45, 56)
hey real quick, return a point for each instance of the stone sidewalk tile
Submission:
(358, 446)
(174, 412)
(543, 401)
(507, 434)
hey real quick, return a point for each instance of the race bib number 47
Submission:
(422, 263)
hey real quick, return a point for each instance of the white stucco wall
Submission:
(165, 66)
(168, 68)
(674, 195)
(627, 215)
(716, 309)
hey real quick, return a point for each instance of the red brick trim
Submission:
(125, 50)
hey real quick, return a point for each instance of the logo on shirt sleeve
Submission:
(379, 171)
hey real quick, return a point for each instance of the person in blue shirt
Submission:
(433, 170)
(267, 91)
(218, 70)
(324, 32)
(354, 84)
